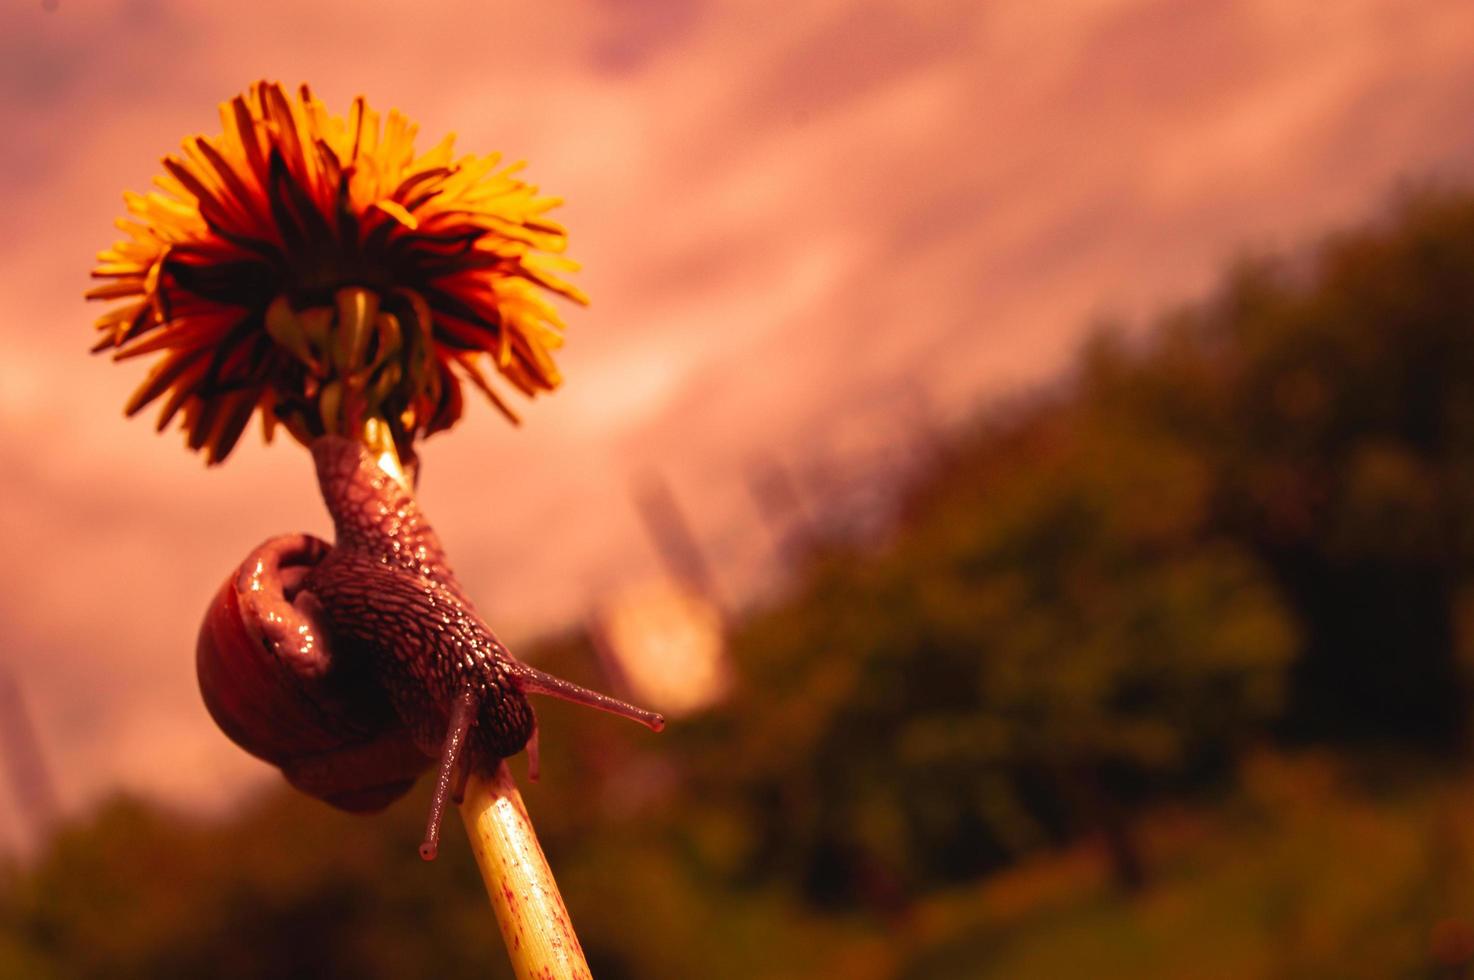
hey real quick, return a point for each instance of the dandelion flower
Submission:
(315, 268)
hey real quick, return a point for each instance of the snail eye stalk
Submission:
(317, 269)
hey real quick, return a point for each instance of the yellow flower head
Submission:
(314, 267)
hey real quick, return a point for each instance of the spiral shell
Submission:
(279, 687)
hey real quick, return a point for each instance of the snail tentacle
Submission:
(534, 759)
(462, 715)
(458, 796)
(533, 681)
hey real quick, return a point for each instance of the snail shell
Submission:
(272, 682)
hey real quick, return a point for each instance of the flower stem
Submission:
(530, 911)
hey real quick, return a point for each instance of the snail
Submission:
(355, 667)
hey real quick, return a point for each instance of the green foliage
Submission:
(1335, 405)
(1059, 610)
(1249, 521)
(288, 888)
(1264, 888)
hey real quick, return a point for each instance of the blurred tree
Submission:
(1057, 629)
(1104, 589)
(1334, 401)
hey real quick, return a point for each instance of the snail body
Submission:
(355, 667)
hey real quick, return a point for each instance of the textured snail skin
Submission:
(351, 667)
(385, 588)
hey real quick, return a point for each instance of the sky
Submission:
(802, 226)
